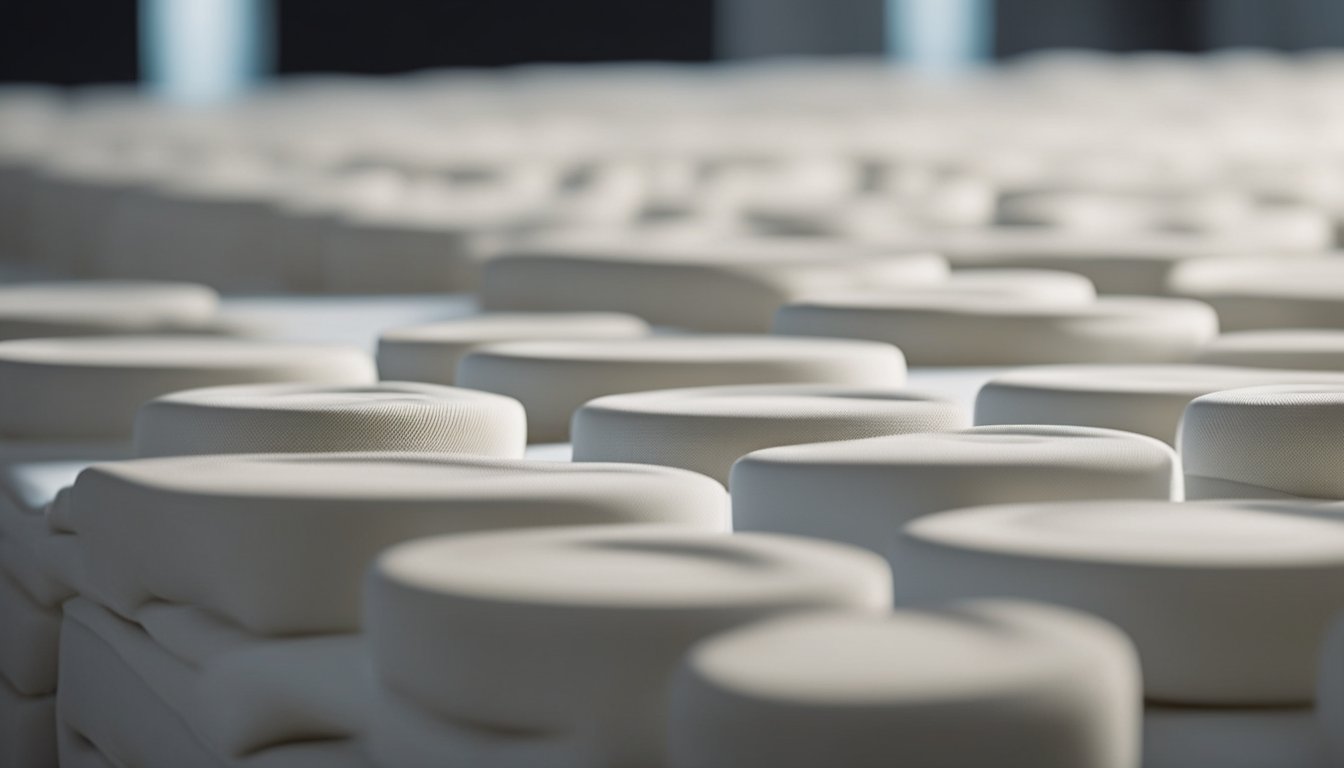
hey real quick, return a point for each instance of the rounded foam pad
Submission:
(307, 525)
(1045, 285)
(727, 286)
(314, 418)
(706, 429)
(1147, 399)
(374, 252)
(431, 352)
(1265, 442)
(587, 625)
(1251, 293)
(88, 308)
(553, 378)
(86, 387)
(950, 329)
(1302, 349)
(1227, 601)
(979, 683)
(863, 492)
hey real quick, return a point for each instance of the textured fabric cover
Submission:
(951, 329)
(176, 529)
(727, 286)
(1226, 601)
(979, 683)
(1303, 349)
(431, 352)
(33, 310)
(587, 627)
(553, 378)
(91, 387)
(1267, 292)
(706, 429)
(1265, 442)
(863, 492)
(307, 418)
(1148, 399)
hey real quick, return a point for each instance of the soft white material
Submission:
(376, 252)
(587, 626)
(307, 418)
(1148, 399)
(1303, 349)
(706, 429)
(27, 729)
(952, 329)
(1265, 442)
(1267, 292)
(34, 310)
(721, 285)
(176, 528)
(1013, 685)
(1188, 737)
(1226, 601)
(553, 378)
(91, 387)
(431, 352)
(863, 492)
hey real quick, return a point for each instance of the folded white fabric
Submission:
(34, 310)
(431, 352)
(1278, 441)
(308, 418)
(1267, 292)
(1303, 349)
(1148, 399)
(977, 683)
(885, 482)
(586, 628)
(721, 285)
(943, 329)
(553, 378)
(706, 429)
(175, 529)
(1226, 601)
(91, 387)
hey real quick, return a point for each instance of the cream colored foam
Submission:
(706, 429)
(1265, 442)
(91, 387)
(175, 529)
(1148, 399)
(588, 625)
(34, 310)
(431, 352)
(978, 683)
(720, 285)
(553, 378)
(304, 418)
(863, 492)
(936, 329)
(1227, 602)
(1267, 292)
(1302, 349)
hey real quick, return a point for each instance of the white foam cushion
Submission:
(1183, 737)
(95, 307)
(863, 492)
(382, 253)
(1302, 349)
(431, 352)
(706, 429)
(307, 418)
(553, 378)
(1265, 442)
(1148, 399)
(91, 387)
(27, 729)
(587, 627)
(175, 529)
(979, 683)
(949, 329)
(1267, 292)
(1227, 601)
(726, 286)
